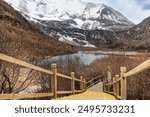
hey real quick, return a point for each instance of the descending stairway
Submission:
(97, 87)
(93, 93)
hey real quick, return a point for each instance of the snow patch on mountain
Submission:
(71, 41)
(81, 12)
(69, 19)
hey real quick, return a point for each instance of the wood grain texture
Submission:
(142, 67)
(23, 63)
(89, 95)
(64, 76)
(24, 96)
(64, 92)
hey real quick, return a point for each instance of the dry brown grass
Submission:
(18, 38)
(137, 85)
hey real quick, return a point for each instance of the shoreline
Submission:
(121, 53)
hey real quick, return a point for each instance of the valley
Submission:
(91, 25)
(43, 40)
(19, 38)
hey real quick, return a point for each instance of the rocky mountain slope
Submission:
(20, 39)
(87, 24)
(136, 38)
(71, 20)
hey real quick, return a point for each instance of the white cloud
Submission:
(132, 9)
(147, 2)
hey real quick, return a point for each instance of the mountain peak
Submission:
(69, 19)
(68, 9)
(20, 39)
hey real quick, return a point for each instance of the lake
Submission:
(85, 58)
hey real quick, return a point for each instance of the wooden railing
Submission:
(93, 81)
(118, 87)
(54, 74)
(84, 85)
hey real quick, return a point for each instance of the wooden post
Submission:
(54, 80)
(109, 87)
(114, 86)
(72, 83)
(92, 83)
(81, 83)
(123, 83)
(117, 86)
(109, 75)
(85, 83)
(104, 87)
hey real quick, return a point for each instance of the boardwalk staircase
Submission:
(93, 89)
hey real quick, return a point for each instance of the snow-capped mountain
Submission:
(68, 20)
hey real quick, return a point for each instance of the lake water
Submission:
(88, 58)
(85, 58)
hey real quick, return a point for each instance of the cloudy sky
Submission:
(134, 10)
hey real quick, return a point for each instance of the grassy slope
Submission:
(20, 39)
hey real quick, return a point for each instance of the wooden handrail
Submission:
(67, 77)
(94, 79)
(24, 96)
(120, 83)
(54, 76)
(64, 92)
(64, 76)
(93, 82)
(119, 79)
(142, 67)
(77, 79)
(77, 91)
(23, 63)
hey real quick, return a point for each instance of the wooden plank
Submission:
(24, 96)
(93, 79)
(96, 82)
(144, 66)
(78, 91)
(90, 81)
(110, 92)
(64, 92)
(93, 84)
(89, 95)
(77, 79)
(64, 76)
(89, 86)
(23, 63)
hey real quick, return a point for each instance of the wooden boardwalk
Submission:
(93, 93)
(89, 90)
(89, 95)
